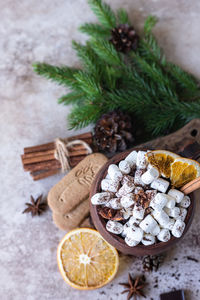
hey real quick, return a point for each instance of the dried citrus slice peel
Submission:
(170, 165)
(85, 260)
(184, 170)
(162, 159)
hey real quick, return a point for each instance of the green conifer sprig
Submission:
(122, 17)
(62, 75)
(103, 12)
(95, 30)
(160, 95)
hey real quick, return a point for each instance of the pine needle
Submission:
(103, 12)
(122, 16)
(106, 51)
(62, 75)
(95, 30)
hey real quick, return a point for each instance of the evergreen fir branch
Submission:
(95, 30)
(142, 83)
(151, 70)
(189, 111)
(183, 79)
(155, 73)
(150, 22)
(71, 98)
(82, 116)
(62, 75)
(110, 102)
(162, 117)
(167, 116)
(122, 17)
(106, 51)
(87, 83)
(88, 58)
(142, 108)
(134, 101)
(148, 46)
(138, 81)
(105, 74)
(156, 116)
(149, 49)
(110, 77)
(103, 12)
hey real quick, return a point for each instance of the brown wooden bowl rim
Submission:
(117, 241)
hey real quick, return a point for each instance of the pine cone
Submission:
(152, 262)
(113, 132)
(124, 38)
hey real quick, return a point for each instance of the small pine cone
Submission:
(152, 262)
(147, 265)
(113, 132)
(124, 38)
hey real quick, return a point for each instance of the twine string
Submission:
(62, 153)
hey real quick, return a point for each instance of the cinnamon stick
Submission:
(46, 165)
(191, 186)
(43, 147)
(44, 174)
(47, 155)
(40, 160)
(46, 152)
(87, 137)
(51, 164)
(35, 154)
(76, 159)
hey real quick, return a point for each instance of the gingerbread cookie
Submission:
(68, 199)
(74, 217)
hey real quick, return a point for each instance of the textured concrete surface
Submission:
(42, 30)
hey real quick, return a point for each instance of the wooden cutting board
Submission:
(178, 140)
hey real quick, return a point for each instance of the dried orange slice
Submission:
(162, 159)
(85, 260)
(170, 165)
(184, 170)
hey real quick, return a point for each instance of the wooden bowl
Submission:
(117, 241)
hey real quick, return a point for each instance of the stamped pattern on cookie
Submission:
(85, 175)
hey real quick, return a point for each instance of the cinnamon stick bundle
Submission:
(40, 160)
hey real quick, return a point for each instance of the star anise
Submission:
(35, 207)
(134, 287)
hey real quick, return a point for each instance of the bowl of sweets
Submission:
(137, 201)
